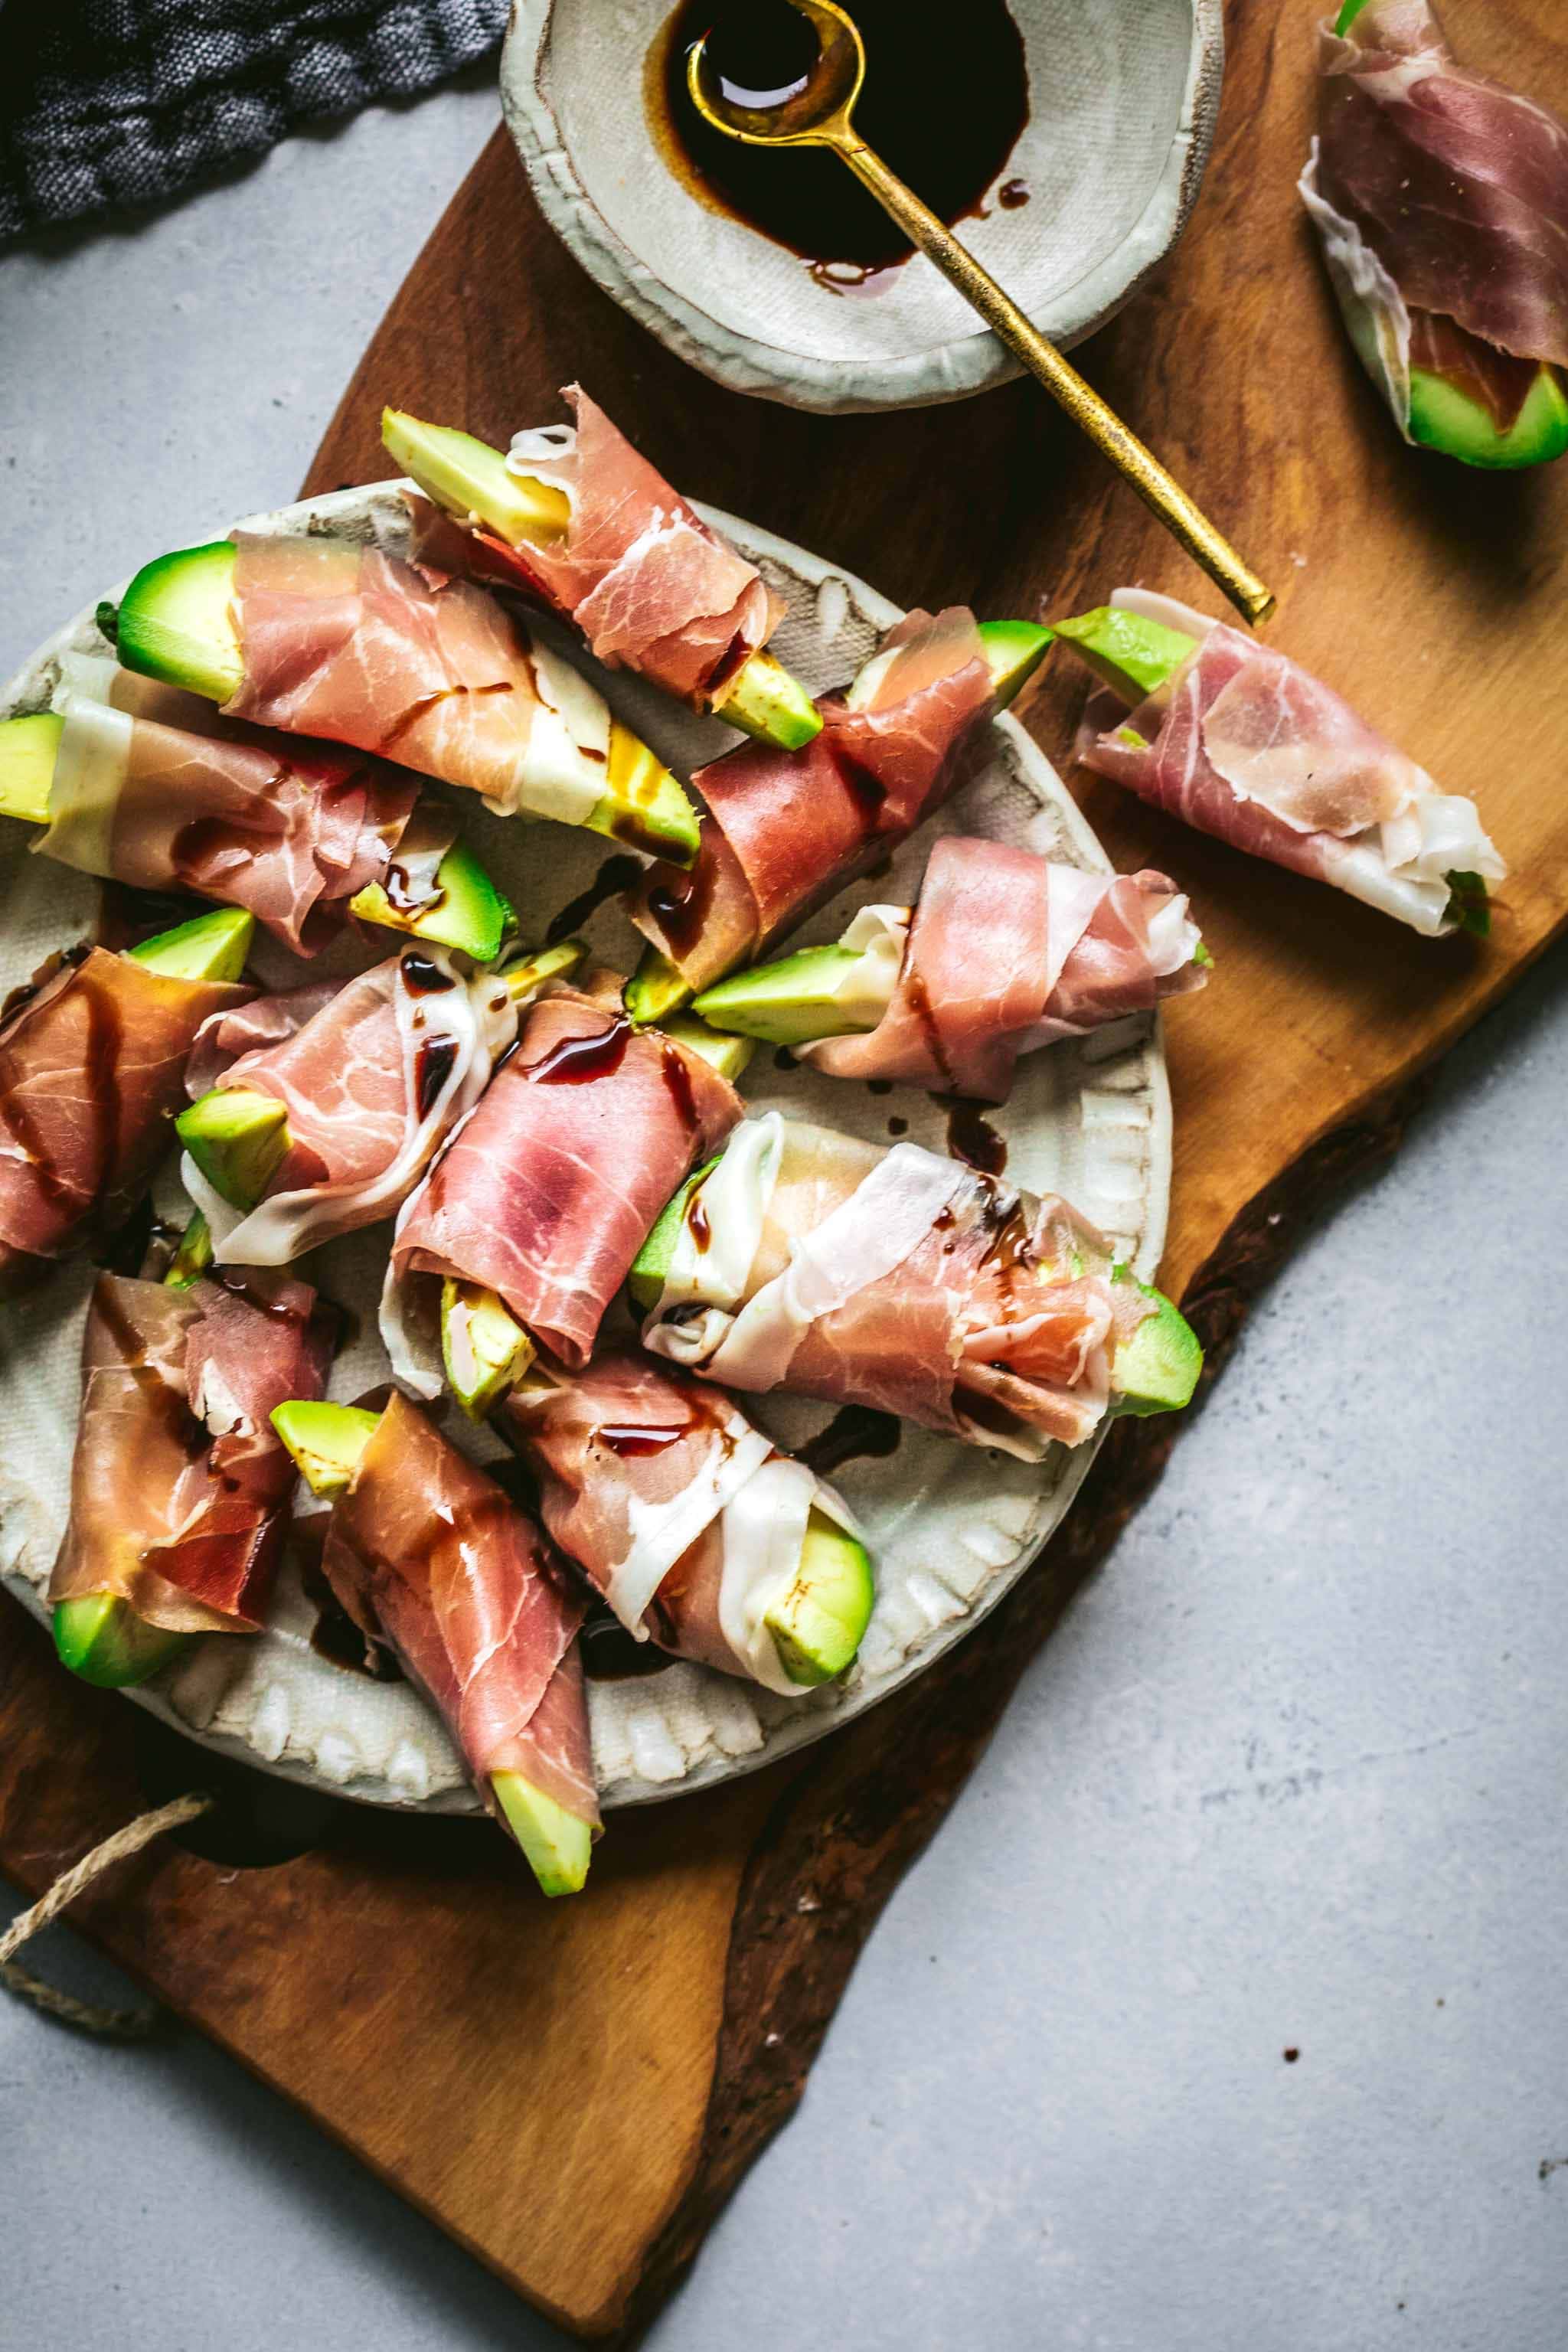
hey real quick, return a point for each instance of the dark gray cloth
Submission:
(126, 101)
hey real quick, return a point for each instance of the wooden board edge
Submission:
(844, 1832)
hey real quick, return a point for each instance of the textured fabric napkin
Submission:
(126, 101)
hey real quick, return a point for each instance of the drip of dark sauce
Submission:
(421, 977)
(697, 1224)
(878, 1085)
(432, 1066)
(678, 1083)
(1012, 193)
(944, 113)
(680, 905)
(972, 1138)
(898, 1127)
(577, 1060)
(611, 1655)
(616, 873)
(855, 1432)
(336, 1636)
(632, 1440)
(784, 1060)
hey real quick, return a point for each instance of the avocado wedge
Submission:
(327, 1442)
(475, 484)
(177, 622)
(192, 1255)
(210, 947)
(792, 1002)
(643, 804)
(650, 1267)
(655, 990)
(557, 1845)
(1126, 652)
(484, 1347)
(29, 747)
(819, 1623)
(101, 1638)
(1156, 1371)
(1014, 652)
(239, 1139)
(1443, 417)
(467, 912)
(728, 1056)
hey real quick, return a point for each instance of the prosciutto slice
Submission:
(1244, 745)
(374, 1075)
(549, 1192)
(786, 829)
(350, 642)
(683, 1515)
(180, 1487)
(1008, 951)
(153, 788)
(92, 1059)
(430, 1558)
(903, 1281)
(651, 587)
(1441, 199)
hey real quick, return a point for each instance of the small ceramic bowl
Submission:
(1123, 96)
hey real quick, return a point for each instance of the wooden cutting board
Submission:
(571, 2090)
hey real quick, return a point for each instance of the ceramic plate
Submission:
(1123, 97)
(951, 1527)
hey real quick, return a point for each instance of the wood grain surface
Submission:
(571, 2090)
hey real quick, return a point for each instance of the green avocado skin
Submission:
(175, 622)
(1446, 419)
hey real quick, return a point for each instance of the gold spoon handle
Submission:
(1062, 381)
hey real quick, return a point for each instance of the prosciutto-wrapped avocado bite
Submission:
(1200, 719)
(783, 831)
(146, 784)
(432, 1559)
(1441, 202)
(1004, 953)
(547, 1194)
(576, 517)
(92, 1064)
(694, 1527)
(180, 1486)
(325, 636)
(333, 1101)
(808, 1261)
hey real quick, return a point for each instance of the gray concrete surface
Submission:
(1289, 1778)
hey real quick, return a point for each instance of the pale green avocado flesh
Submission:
(27, 750)
(558, 1845)
(767, 702)
(786, 1003)
(325, 1439)
(472, 481)
(643, 804)
(525, 975)
(818, 1625)
(654, 990)
(728, 1056)
(468, 911)
(1130, 653)
(100, 1638)
(651, 1266)
(1442, 417)
(1014, 652)
(239, 1139)
(1157, 1369)
(193, 1257)
(484, 1349)
(210, 947)
(177, 622)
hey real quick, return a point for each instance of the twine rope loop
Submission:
(111, 2024)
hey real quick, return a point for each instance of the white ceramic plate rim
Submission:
(942, 372)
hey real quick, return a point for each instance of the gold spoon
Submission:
(816, 112)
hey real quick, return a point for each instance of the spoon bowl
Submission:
(815, 116)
